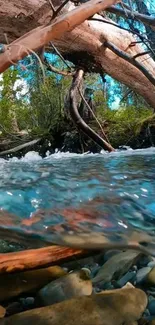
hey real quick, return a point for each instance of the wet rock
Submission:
(150, 279)
(8, 246)
(151, 307)
(94, 270)
(83, 262)
(116, 266)
(116, 307)
(111, 253)
(14, 308)
(73, 284)
(151, 291)
(27, 303)
(106, 286)
(2, 311)
(142, 274)
(128, 277)
(144, 261)
(12, 285)
(151, 263)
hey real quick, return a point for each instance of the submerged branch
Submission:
(35, 258)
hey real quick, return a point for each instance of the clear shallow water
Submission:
(113, 194)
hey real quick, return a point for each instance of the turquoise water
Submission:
(115, 192)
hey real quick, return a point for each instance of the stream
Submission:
(82, 196)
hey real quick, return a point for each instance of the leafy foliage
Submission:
(39, 108)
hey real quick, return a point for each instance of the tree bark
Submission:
(84, 45)
(36, 258)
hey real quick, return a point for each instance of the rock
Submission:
(151, 307)
(151, 263)
(152, 322)
(115, 307)
(150, 279)
(27, 303)
(105, 286)
(116, 266)
(142, 274)
(129, 276)
(12, 285)
(151, 291)
(128, 285)
(14, 308)
(83, 262)
(145, 260)
(73, 284)
(2, 311)
(110, 253)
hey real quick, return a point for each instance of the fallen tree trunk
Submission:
(35, 258)
(83, 46)
(40, 36)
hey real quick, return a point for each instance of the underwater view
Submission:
(110, 195)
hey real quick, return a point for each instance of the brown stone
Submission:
(115, 307)
(150, 279)
(12, 285)
(72, 285)
(2, 311)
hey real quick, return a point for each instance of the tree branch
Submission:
(99, 124)
(131, 60)
(147, 20)
(18, 148)
(50, 67)
(40, 36)
(60, 8)
(78, 119)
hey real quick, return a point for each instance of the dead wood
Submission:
(36, 258)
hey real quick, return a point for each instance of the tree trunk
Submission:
(84, 45)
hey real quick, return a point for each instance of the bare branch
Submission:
(147, 20)
(60, 8)
(78, 119)
(144, 39)
(60, 55)
(18, 148)
(141, 54)
(51, 4)
(131, 60)
(99, 124)
(55, 70)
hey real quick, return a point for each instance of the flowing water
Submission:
(81, 198)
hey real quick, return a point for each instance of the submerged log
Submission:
(35, 258)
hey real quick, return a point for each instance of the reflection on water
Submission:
(111, 194)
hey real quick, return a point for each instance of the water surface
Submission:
(111, 194)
